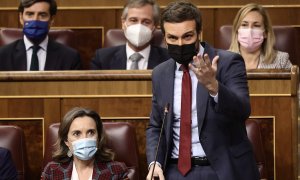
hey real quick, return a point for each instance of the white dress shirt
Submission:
(75, 174)
(143, 63)
(42, 53)
(197, 149)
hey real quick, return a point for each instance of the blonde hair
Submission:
(268, 45)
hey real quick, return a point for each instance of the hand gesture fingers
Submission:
(156, 173)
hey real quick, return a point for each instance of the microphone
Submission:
(166, 111)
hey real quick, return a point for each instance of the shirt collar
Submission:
(29, 44)
(145, 52)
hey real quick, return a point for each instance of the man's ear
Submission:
(51, 21)
(165, 41)
(123, 23)
(21, 18)
(200, 36)
(153, 30)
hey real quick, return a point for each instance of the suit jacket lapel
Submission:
(202, 92)
(168, 82)
(202, 102)
(153, 58)
(119, 60)
(20, 57)
(209, 50)
(52, 56)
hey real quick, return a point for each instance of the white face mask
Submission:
(138, 34)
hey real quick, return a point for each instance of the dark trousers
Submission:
(197, 172)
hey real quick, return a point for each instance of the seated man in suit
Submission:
(36, 51)
(7, 167)
(139, 20)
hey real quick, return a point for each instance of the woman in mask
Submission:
(80, 151)
(254, 39)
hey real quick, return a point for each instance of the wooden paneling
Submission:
(87, 40)
(126, 96)
(267, 125)
(112, 106)
(271, 96)
(87, 17)
(9, 18)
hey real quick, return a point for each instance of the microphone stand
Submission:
(161, 130)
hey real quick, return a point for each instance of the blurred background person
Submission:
(81, 151)
(8, 170)
(139, 20)
(254, 39)
(36, 51)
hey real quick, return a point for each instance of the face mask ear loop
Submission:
(125, 25)
(166, 42)
(197, 44)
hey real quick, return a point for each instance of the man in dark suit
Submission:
(204, 135)
(139, 20)
(7, 167)
(36, 51)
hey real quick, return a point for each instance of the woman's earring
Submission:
(69, 153)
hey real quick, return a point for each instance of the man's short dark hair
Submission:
(27, 3)
(180, 11)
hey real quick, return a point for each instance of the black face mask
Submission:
(182, 54)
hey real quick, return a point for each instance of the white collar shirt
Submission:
(42, 53)
(197, 149)
(143, 63)
(75, 174)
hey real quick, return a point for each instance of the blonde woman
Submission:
(254, 39)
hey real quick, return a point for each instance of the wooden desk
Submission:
(34, 100)
(273, 95)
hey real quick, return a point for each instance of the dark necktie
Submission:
(34, 66)
(135, 60)
(184, 159)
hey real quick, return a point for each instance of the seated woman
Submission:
(254, 39)
(80, 150)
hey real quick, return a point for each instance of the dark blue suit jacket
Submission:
(59, 57)
(221, 125)
(116, 58)
(7, 167)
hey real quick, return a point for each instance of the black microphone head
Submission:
(167, 107)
